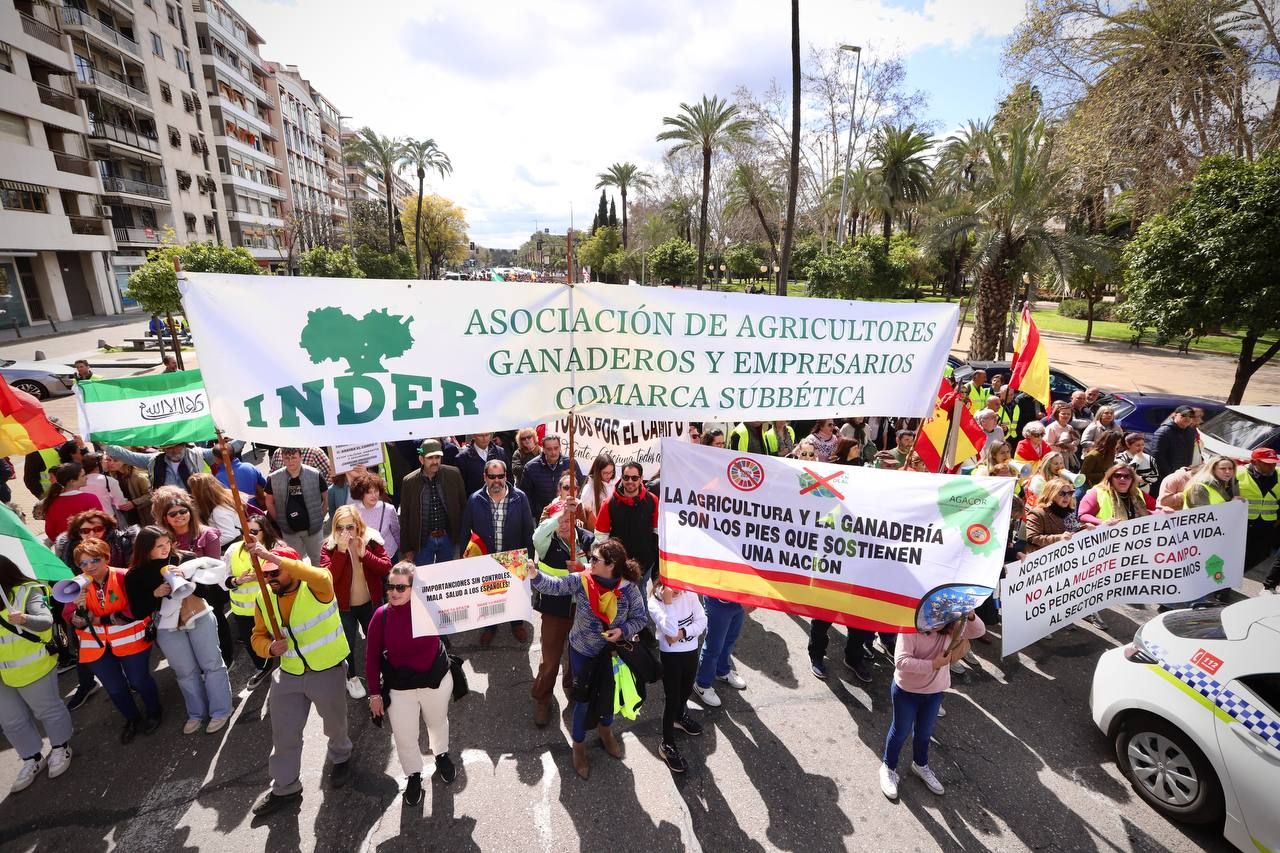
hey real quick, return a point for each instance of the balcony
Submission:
(88, 225)
(115, 133)
(42, 31)
(74, 164)
(240, 77)
(51, 97)
(115, 186)
(112, 86)
(73, 18)
(235, 144)
(242, 115)
(137, 237)
(253, 186)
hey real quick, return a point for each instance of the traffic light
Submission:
(473, 245)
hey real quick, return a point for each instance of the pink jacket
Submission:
(913, 659)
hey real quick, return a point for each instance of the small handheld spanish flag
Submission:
(24, 427)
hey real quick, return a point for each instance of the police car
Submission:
(1192, 707)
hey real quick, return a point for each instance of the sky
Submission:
(532, 100)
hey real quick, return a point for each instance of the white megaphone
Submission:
(69, 590)
(180, 586)
(1076, 480)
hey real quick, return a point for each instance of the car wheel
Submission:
(1168, 771)
(35, 389)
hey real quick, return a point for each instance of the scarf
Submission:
(602, 598)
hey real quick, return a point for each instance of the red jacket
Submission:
(376, 565)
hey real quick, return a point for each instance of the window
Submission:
(184, 179)
(191, 223)
(14, 127)
(6, 59)
(1267, 686)
(166, 94)
(30, 200)
(172, 13)
(175, 138)
(157, 46)
(208, 225)
(180, 58)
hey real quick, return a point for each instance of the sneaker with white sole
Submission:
(942, 712)
(216, 725)
(355, 688)
(707, 696)
(1097, 621)
(929, 778)
(27, 774)
(59, 761)
(957, 668)
(192, 726)
(733, 680)
(888, 782)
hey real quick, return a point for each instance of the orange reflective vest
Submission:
(127, 639)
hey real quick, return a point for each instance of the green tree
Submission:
(744, 260)
(613, 215)
(602, 213)
(381, 155)
(376, 264)
(593, 251)
(860, 269)
(624, 176)
(902, 170)
(423, 155)
(703, 127)
(323, 262)
(1213, 261)
(674, 261)
(748, 190)
(442, 231)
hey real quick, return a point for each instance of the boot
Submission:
(580, 764)
(610, 743)
(541, 713)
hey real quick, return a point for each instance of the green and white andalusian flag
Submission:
(20, 545)
(146, 411)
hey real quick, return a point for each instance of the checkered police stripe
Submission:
(1236, 707)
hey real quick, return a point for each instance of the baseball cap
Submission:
(430, 447)
(1265, 454)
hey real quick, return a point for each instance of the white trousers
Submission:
(433, 707)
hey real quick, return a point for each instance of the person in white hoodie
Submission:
(679, 620)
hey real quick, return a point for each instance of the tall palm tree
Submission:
(623, 176)
(703, 126)
(903, 172)
(422, 155)
(748, 190)
(962, 162)
(380, 154)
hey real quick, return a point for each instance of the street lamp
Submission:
(848, 154)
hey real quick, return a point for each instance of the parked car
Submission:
(1061, 384)
(1192, 709)
(1237, 431)
(40, 379)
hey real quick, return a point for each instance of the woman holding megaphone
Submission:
(159, 588)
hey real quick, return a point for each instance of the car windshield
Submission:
(1239, 430)
(1202, 624)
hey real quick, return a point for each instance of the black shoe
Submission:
(672, 756)
(129, 732)
(260, 676)
(860, 669)
(270, 802)
(687, 725)
(444, 766)
(819, 669)
(339, 774)
(413, 790)
(81, 696)
(66, 664)
(150, 724)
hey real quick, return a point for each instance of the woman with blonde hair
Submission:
(217, 506)
(355, 557)
(1053, 464)
(1215, 483)
(1053, 518)
(994, 454)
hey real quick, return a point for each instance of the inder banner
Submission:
(472, 593)
(869, 548)
(624, 441)
(344, 364)
(145, 411)
(1158, 559)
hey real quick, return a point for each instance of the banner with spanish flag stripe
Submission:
(870, 548)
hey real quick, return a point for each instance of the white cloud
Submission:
(532, 100)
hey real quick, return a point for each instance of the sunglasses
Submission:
(255, 532)
(564, 488)
(495, 476)
(89, 531)
(174, 513)
(346, 527)
(629, 478)
(399, 587)
(271, 573)
(1065, 493)
(595, 558)
(92, 561)
(1122, 476)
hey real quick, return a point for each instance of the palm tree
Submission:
(793, 172)
(422, 155)
(379, 154)
(903, 171)
(623, 176)
(748, 190)
(703, 126)
(962, 162)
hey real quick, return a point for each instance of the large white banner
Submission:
(345, 362)
(471, 593)
(1158, 559)
(623, 440)
(876, 549)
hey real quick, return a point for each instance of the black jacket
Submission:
(1173, 447)
(471, 466)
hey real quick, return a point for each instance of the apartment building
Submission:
(55, 238)
(239, 88)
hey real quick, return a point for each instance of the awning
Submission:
(21, 187)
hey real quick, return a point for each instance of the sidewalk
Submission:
(44, 329)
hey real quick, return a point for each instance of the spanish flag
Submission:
(1030, 370)
(476, 547)
(23, 425)
(951, 435)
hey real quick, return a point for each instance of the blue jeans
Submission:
(917, 711)
(724, 623)
(118, 674)
(434, 550)
(196, 659)
(577, 663)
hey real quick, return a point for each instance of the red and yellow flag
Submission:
(966, 436)
(1030, 370)
(23, 425)
(475, 547)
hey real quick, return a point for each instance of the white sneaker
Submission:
(27, 774)
(1096, 620)
(929, 779)
(707, 696)
(888, 782)
(192, 726)
(971, 658)
(957, 668)
(733, 680)
(59, 761)
(355, 689)
(942, 712)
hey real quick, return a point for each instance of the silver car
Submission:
(40, 379)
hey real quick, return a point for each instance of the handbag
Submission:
(641, 661)
(460, 688)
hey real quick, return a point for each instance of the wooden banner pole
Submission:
(244, 531)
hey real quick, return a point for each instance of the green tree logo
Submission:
(331, 334)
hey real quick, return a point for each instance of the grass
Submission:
(1110, 330)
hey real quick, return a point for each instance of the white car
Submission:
(1239, 430)
(1192, 706)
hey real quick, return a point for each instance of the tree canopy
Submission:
(154, 285)
(323, 262)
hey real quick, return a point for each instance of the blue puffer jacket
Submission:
(477, 517)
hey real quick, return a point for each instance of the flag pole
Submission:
(173, 331)
(946, 459)
(244, 529)
(573, 423)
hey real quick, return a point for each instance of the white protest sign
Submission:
(1157, 559)
(413, 359)
(348, 456)
(875, 549)
(623, 440)
(471, 593)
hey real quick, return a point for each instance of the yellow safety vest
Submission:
(1261, 506)
(386, 471)
(1215, 497)
(738, 439)
(313, 632)
(24, 661)
(978, 397)
(51, 460)
(244, 597)
(1105, 509)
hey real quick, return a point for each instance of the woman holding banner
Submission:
(1117, 497)
(1048, 521)
(610, 609)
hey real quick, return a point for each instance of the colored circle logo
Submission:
(978, 534)
(745, 475)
